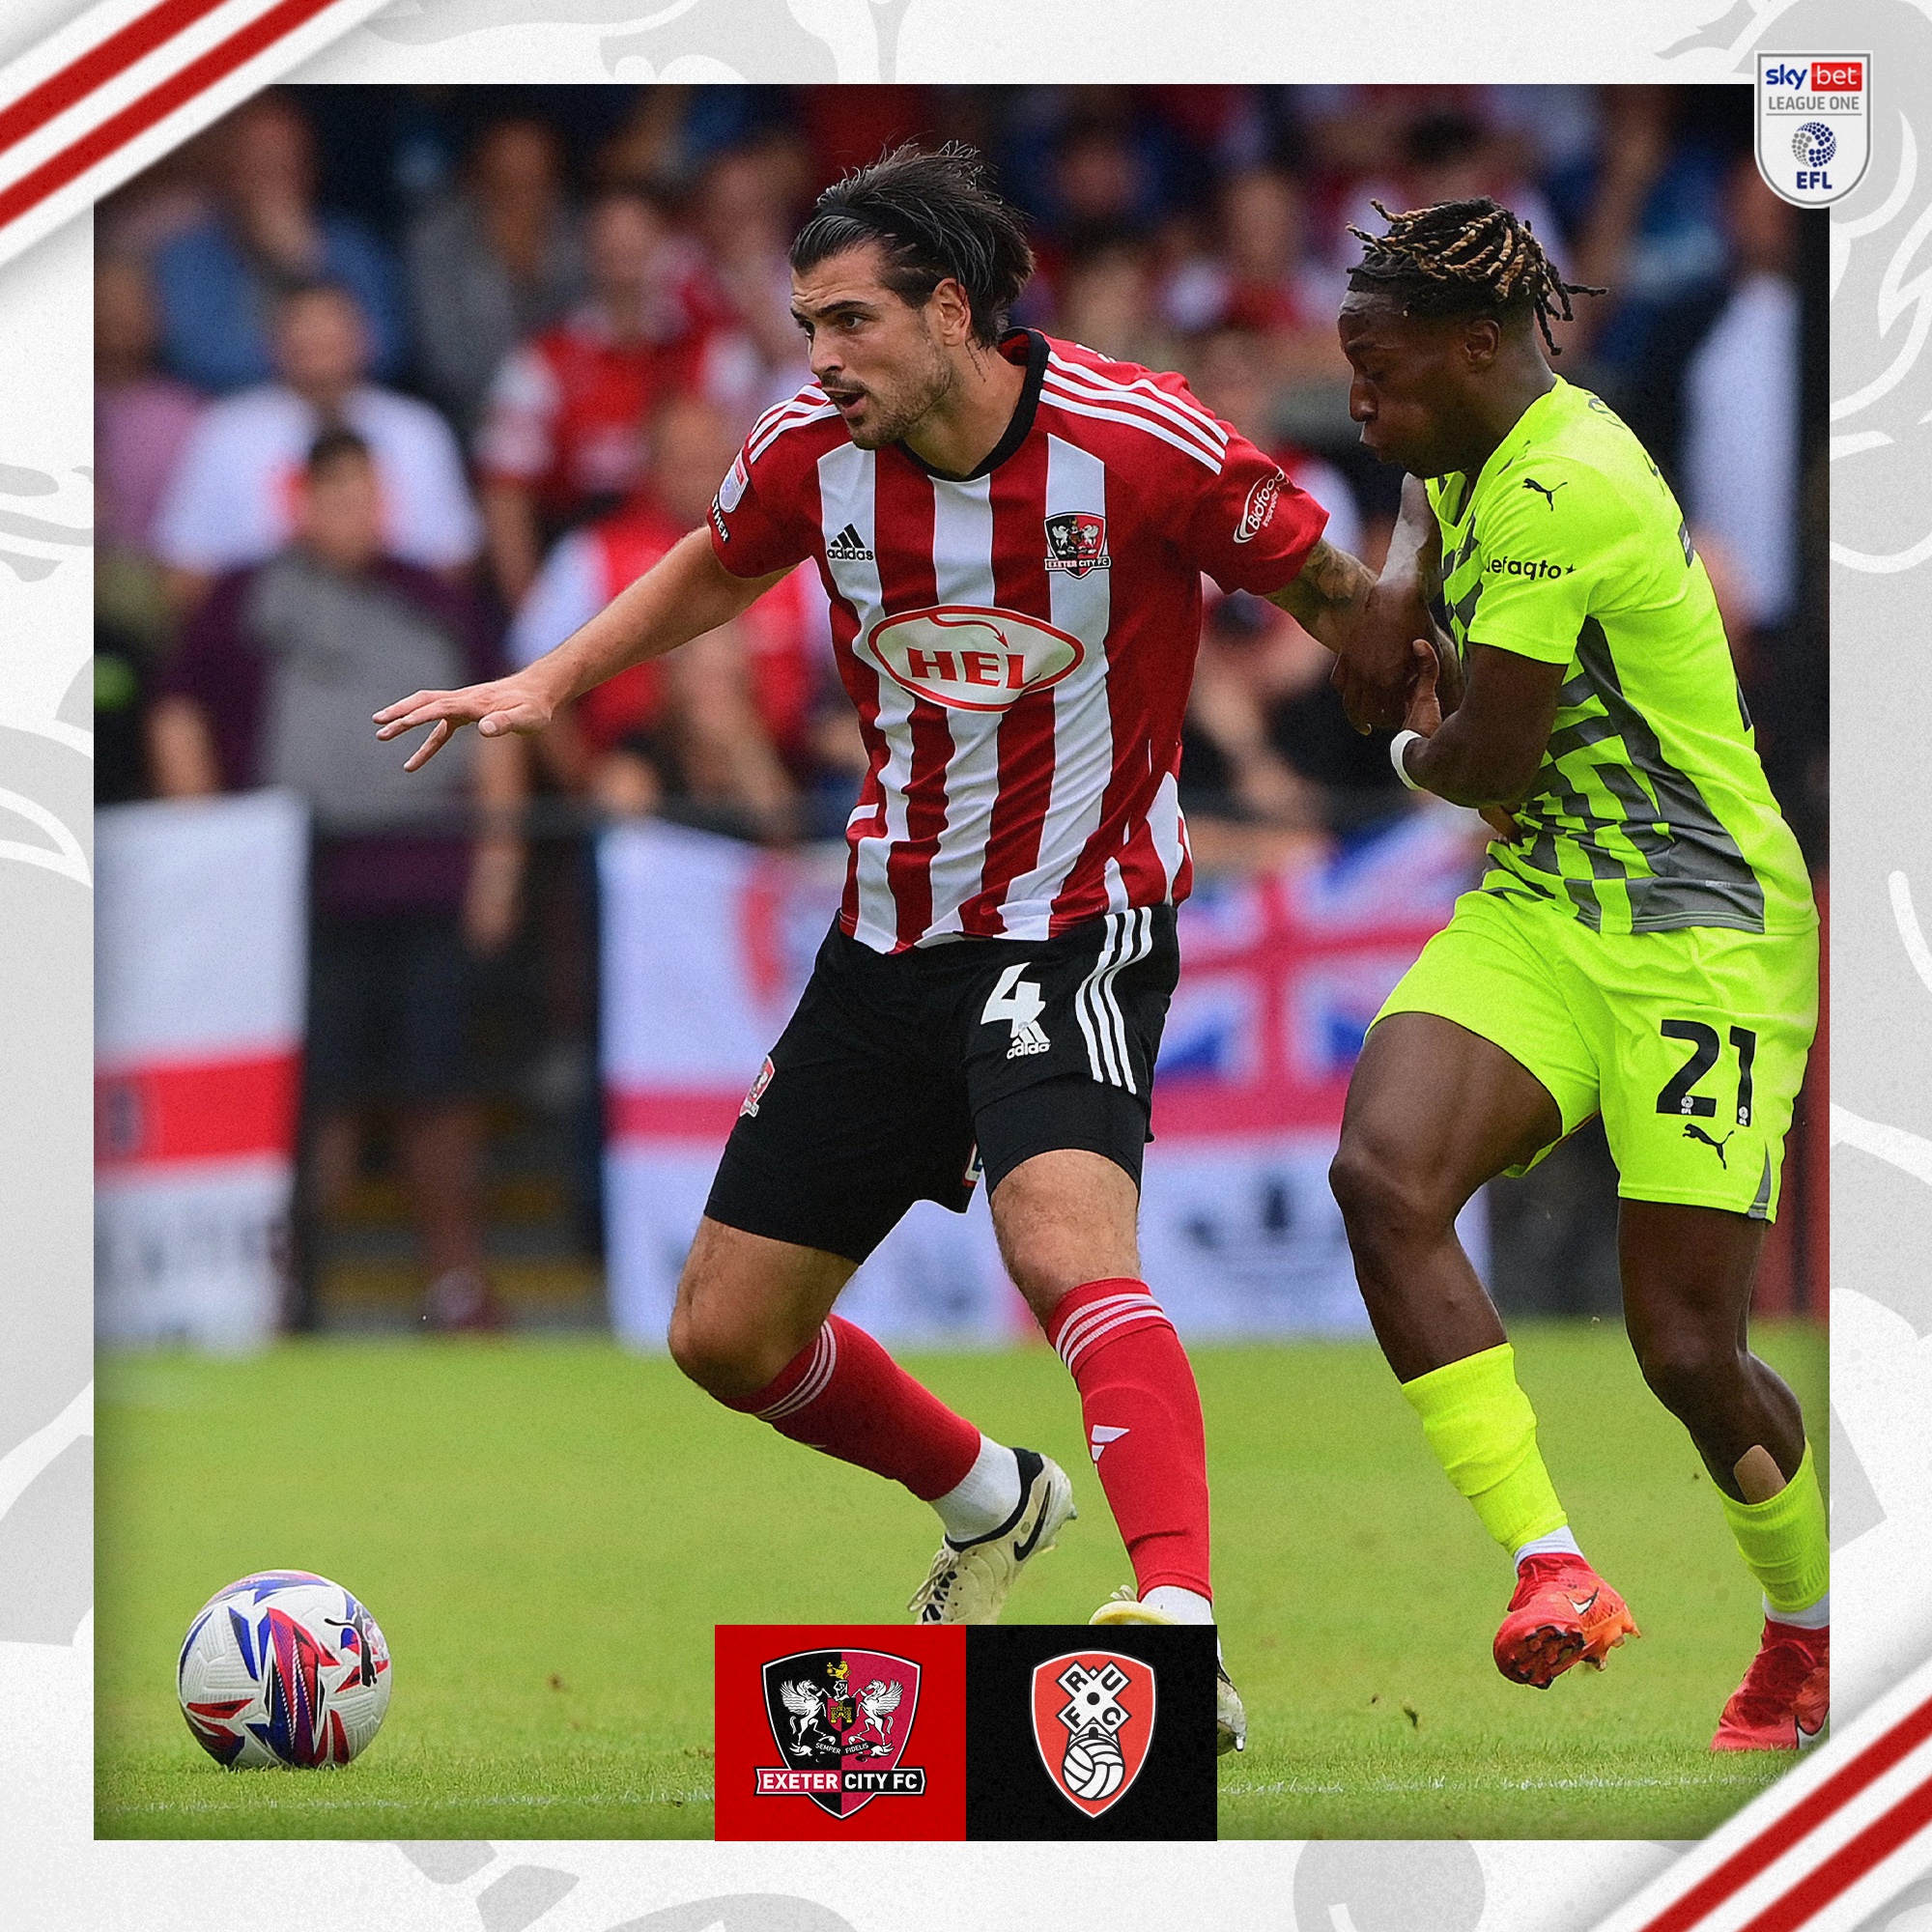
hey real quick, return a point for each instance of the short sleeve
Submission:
(763, 517)
(1544, 547)
(1251, 529)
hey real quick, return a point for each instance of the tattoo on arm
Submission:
(1331, 586)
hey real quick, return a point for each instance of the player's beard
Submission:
(896, 412)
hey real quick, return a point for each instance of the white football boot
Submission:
(1230, 1716)
(968, 1581)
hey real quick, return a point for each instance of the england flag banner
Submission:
(200, 983)
(1813, 124)
(707, 944)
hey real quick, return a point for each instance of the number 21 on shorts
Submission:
(1676, 1096)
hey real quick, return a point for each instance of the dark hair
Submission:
(1464, 258)
(937, 220)
(333, 445)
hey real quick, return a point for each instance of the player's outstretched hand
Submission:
(1375, 669)
(504, 704)
(1424, 712)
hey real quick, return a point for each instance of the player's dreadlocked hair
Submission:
(937, 220)
(1464, 258)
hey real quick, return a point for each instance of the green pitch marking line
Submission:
(547, 1532)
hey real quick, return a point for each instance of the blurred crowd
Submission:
(396, 386)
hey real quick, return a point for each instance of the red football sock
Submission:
(844, 1394)
(1143, 1416)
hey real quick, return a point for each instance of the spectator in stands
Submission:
(278, 676)
(230, 501)
(142, 419)
(743, 222)
(1717, 396)
(219, 281)
(719, 731)
(493, 262)
(562, 431)
(1261, 279)
(1266, 737)
(1106, 300)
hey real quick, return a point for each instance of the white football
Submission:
(283, 1667)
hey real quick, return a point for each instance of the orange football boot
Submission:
(1562, 1614)
(1786, 1694)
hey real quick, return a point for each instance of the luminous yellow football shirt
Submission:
(1650, 810)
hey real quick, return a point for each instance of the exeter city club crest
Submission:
(1092, 1719)
(1813, 124)
(1076, 542)
(840, 1719)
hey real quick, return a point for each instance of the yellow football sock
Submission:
(1785, 1541)
(1483, 1430)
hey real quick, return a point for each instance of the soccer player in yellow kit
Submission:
(1644, 943)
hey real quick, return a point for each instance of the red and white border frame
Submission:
(88, 97)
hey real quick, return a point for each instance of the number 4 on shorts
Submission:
(1676, 1096)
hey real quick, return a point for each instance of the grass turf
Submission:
(547, 1532)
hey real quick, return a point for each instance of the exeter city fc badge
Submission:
(840, 1719)
(1813, 124)
(1076, 542)
(1092, 1719)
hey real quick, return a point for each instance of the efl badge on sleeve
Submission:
(1092, 1719)
(1813, 124)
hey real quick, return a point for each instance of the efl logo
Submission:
(970, 658)
(842, 1721)
(1092, 1721)
(1813, 124)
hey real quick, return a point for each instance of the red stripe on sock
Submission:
(842, 1394)
(1138, 1400)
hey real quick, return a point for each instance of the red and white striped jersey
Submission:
(1019, 642)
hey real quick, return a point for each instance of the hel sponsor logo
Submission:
(1535, 567)
(971, 657)
(1258, 512)
(1093, 1721)
(750, 1104)
(840, 1719)
(1076, 542)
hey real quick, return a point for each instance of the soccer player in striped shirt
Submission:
(1011, 531)
(1644, 945)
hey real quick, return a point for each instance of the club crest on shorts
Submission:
(1076, 542)
(1092, 1721)
(1813, 124)
(750, 1103)
(841, 1719)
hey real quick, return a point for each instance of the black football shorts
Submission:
(902, 1076)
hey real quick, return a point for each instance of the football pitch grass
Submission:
(547, 1532)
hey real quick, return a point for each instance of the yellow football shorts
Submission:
(1690, 1044)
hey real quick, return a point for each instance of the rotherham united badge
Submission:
(1813, 124)
(1092, 1721)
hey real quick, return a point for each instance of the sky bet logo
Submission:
(1819, 77)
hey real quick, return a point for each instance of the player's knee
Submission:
(1384, 1202)
(1687, 1369)
(717, 1353)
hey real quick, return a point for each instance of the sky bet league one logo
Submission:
(1813, 124)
